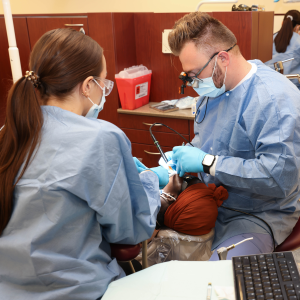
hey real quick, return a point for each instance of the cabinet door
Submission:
(148, 153)
(144, 123)
(24, 50)
(164, 139)
(192, 133)
(37, 26)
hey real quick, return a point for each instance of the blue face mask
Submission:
(206, 86)
(95, 109)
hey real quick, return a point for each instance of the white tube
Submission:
(214, 2)
(243, 241)
(14, 57)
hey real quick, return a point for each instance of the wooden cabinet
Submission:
(192, 134)
(253, 30)
(22, 39)
(148, 154)
(132, 39)
(37, 26)
(137, 127)
(28, 30)
(144, 122)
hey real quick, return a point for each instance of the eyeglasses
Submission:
(194, 80)
(108, 85)
(196, 75)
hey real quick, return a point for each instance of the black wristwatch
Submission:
(207, 162)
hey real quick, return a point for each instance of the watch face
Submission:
(208, 160)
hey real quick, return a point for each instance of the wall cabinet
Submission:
(23, 43)
(132, 39)
(38, 26)
(28, 30)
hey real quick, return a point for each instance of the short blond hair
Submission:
(208, 34)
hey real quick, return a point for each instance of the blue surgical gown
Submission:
(80, 192)
(292, 51)
(255, 131)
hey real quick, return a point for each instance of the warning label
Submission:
(141, 90)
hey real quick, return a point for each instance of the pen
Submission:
(208, 296)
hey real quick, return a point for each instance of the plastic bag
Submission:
(182, 103)
(171, 245)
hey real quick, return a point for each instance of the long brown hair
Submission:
(62, 58)
(284, 35)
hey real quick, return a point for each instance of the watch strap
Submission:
(206, 168)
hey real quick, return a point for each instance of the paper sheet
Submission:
(175, 280)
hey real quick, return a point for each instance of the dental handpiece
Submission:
(160, 151)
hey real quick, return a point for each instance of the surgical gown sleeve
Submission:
(104, 175)
(268, 127)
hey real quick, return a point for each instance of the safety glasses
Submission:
(198, 73)
(108, 85)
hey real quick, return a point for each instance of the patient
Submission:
(195, 210)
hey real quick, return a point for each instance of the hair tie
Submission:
(35, 79)
(289, 17)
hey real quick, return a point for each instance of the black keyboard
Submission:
(271, 276)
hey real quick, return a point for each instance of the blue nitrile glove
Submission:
(168, 155)
(140, 166)
(189, 159)
(162, 174)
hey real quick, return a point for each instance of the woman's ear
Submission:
(86, 86)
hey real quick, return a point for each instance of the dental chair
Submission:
(278, 66)
(292, 242)
(126, 253)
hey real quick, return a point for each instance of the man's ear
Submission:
(224, 58)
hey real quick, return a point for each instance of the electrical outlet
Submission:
(165, 43)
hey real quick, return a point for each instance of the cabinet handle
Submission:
(151, 124)
(78, 25)
(152, 153)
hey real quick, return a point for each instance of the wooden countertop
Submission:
(147, 111)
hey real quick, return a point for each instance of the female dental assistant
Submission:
(287, 45)
(68, 183)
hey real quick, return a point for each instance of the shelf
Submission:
(147, 111)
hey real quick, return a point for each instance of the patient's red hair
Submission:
(196, 209)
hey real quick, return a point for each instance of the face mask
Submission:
(95, 109)
(208, 88)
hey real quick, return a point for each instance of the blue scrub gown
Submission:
(81, 192)
(255, 131)
(292, 51)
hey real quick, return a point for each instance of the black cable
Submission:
(155, 140)
(236, 210)
(207, 98)
(160, 150)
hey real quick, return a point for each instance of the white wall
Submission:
(84, 6)
(277, 23)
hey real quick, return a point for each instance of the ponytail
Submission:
(283, 37)
(18, 140)
(60, 60)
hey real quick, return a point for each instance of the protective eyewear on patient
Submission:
(108, 85)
